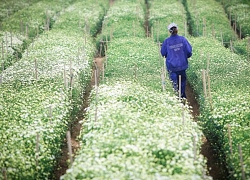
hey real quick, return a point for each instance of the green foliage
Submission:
(238, 12)
(61, 60)
(210, 20)
(162, 13)
(228, 104)
(122, 136)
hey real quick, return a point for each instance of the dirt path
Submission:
(216, 169)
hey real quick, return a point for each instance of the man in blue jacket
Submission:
(176, 49)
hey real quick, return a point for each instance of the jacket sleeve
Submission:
(188, 49)
(164, 51)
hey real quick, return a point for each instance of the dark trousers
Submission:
(174, 77)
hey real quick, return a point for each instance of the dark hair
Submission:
(173, 30)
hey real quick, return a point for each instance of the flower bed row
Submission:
(10, 7)
(162, 13)
(239, 13)
(229, 80)
(19, 30)
(209, 19)
(225, 109)
(42, 91)
(132, 129)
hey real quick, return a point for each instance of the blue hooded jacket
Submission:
(177, 50)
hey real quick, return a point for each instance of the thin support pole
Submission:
(242, 164)
(180, 86)
(69, 147)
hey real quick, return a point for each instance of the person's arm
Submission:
(164, 51)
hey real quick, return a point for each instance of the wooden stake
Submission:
(69, 147)
(4, 174)
(27, 31)
(242, 164)
(209, 91)
(163, 81)
(102, 71)
(96, 88)
(105, 52)
(183, 114)
(204, 82)
(180, 86)
(21, 26)
(158, 31)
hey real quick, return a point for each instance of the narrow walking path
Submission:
(216, 169)
(75, 128)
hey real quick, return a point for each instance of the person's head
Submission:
(173, 28)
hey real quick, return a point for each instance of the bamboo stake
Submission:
(204, 82)
(209, 91)
(208, 82)
(180, 86)
(102, 71)
(96, 87)
(105, 53)
(71, 79)
(4, 174)
(248, 47)
(69, 147)
(1, 77)
(163, 79)
(185, 28)
(183, 114)
(21, 26)
(152, 33)
(158, 31)
(231, 46)
(27, 31)
(242, 164)
(160, 57)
